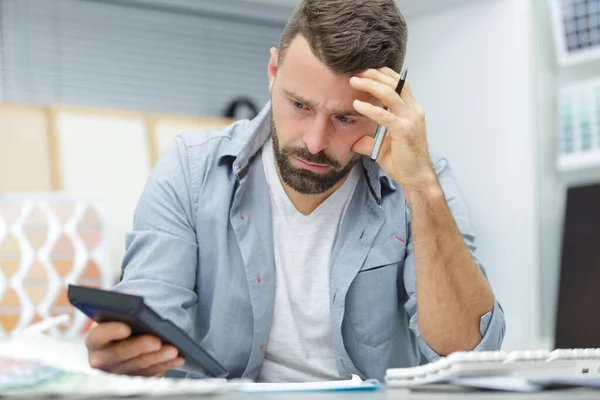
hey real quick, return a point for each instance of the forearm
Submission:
(452, 293)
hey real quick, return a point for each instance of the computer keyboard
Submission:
(536, 364)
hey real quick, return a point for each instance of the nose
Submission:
(317, 135)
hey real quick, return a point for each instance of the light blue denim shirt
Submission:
(201, 253)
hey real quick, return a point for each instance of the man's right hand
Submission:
(112, 349)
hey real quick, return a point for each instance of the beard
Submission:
(302, 180)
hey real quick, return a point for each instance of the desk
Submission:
(398, 394)
(576, 394)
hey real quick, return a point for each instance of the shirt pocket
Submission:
(372, 305)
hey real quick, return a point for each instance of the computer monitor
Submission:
(578, 312)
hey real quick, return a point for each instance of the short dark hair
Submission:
(350, 36)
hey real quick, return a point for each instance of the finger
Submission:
(383, 92)
(147, 360)
(374, 113)
(133, 347)
(364, 145)
(160, 369)
(406, 94)
(122, 351)
(102, 335)
(380, 77)
(390, 73)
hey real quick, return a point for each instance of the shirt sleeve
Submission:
(492, 324)
(162, 250)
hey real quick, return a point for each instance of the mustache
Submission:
(319, 158)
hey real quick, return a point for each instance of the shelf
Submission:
(578, 161)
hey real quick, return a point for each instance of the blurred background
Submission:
(92, 91)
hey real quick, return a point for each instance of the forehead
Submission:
(302, 73)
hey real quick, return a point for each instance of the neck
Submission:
(307, 203)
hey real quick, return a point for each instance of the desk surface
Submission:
(578, 394)
(395, 394)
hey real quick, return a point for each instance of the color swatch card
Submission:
(579, 126)
(577, 30)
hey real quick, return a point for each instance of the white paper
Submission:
(355, 382)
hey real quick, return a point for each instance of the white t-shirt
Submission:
(300, 346)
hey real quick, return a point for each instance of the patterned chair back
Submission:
(46, 242)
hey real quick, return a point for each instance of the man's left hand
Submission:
(404, 155)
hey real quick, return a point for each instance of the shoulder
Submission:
(212, 143)
(199, 162)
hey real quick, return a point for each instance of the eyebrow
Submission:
(349, 113)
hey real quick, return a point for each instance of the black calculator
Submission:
(104, 306)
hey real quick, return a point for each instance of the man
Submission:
(284, 250)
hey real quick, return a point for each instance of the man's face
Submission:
(313, 123)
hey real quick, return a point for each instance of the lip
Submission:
(299, 163)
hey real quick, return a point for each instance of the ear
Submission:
(272, 67)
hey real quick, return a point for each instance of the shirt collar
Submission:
(249, 137)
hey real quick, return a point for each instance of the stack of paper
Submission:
(354, 384)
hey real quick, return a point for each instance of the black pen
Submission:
(381, 130)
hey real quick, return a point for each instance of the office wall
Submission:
(106, 157)
(190, 57)
(24, 149)
(471, 69)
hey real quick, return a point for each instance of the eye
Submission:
(345, 120)
(298, 105)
